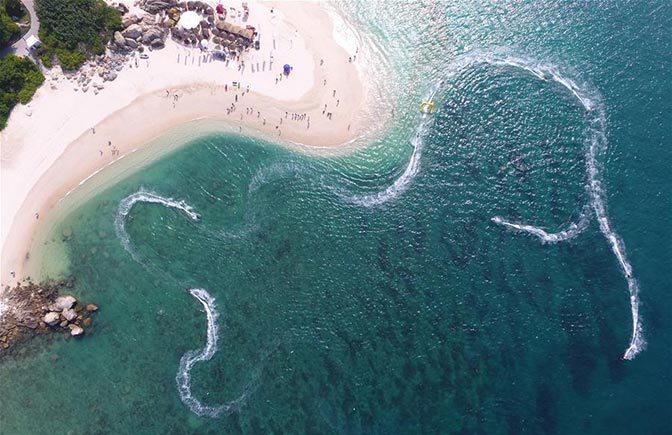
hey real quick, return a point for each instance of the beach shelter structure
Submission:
(286, 69)
(189, 20)
(220, 9)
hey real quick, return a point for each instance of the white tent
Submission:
(189, 20)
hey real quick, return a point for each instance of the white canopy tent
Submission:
(189, 20)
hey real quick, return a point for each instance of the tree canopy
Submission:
(9, 30)
(19, 79)
(75, 29)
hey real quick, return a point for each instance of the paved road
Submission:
(19, 47)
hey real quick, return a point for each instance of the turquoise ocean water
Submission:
(246, 288)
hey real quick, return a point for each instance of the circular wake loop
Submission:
(596, 143)
(191, 358)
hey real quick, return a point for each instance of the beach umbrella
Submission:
(287, 68)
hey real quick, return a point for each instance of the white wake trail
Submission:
(189, 359)
(574, 229)
(596, 144)
(126, 204)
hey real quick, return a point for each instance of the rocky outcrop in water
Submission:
(30, 309)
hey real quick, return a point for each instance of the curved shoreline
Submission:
(42, 165)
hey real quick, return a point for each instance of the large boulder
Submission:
(130, 19)
(63, 302)
(69, 313)
(155, 6)
(92, 307)
(132, 43)
(75, 330)
(122, 8)
(133, 31)
(152, 34)
(52, 318)
(119, 39)
(157, 44)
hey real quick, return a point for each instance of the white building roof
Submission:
(32, 41)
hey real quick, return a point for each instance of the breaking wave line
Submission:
(192, 357)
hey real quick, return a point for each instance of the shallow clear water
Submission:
(344, 311)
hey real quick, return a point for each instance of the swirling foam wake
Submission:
(127, 204)
(573, 230)
(596, 143)
(401, 184)
(189, 359)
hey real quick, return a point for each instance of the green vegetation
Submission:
(14, 8)
(19, 79)
(9, 30)
(73, 30)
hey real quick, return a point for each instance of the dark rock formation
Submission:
(30, 309)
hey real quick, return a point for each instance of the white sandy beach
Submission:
(50, 146)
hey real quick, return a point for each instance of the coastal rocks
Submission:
(131, 43)
(119, 39)
(131, 19)
(122, 8)
(69, 314)
(157, 44)
(52, 318)
(29, 309)
(153, 34)
(148, 19)
(133, 31)
(63, 303)
(155, 6)
(110, 76)
(75, 330)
